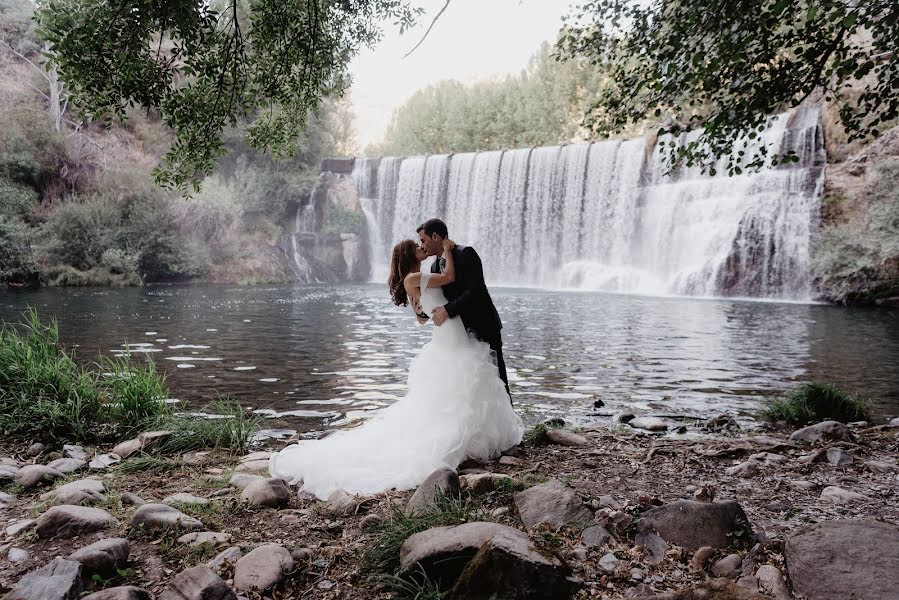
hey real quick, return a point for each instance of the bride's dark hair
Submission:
(402, 262)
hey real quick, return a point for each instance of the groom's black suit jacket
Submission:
(468, 297)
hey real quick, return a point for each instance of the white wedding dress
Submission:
(456, 407)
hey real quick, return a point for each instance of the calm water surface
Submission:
(314, 357)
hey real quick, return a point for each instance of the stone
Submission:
(692, 524)
(744, 469)
(700, 557)
(443, 552)
(623, 417)
(836, 560)
(198, 538)
(17, 555)
(19, 527)
(802, 485)
(839, 457)
(595, 536)
(8, 472)
(510, 461)
(242, 480)
(31, 476)
(160, 517)
(36, 449)
(483, 483)
(130, 499)
(198, 583)
(609, 562)
(6, 499)
(253, 466)
(127, 448)
(894, 422)
(340, 504)
(302, 555)
(654, 547)
(563, 437)
(225, 558)
(60, 579)
(369, 522)
(68, 520)
(153, 439)
(509, 566)
(822, 432)
(184, 498)
(714, 589)
(553, 503)
(729, 566)
(255, 456)
(76, 452)
(104, 461)
(262, 568)
(67, 465)
(771, 581)
(272, 493)
(769, 459)
(748, 582)
(648, 423)
(499, 511)
(125, 592)
(881, 468)
(838, 495)
(443, 482)
(103, 557)
(720, 422)
(82, 491)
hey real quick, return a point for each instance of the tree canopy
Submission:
(728, 66)
(205, 65)
(543, 104)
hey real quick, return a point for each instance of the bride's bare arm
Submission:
(412, 284)
(449, 268)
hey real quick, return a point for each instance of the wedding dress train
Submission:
(456, 407)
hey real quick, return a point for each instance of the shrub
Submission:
(17, 265)
(16, 201)
(814, 402)
(66, 276)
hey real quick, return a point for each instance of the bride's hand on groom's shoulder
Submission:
(448, 244)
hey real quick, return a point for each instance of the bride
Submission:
(456, 405)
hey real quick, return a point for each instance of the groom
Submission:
(467, 297)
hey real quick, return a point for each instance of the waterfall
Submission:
(608, 216)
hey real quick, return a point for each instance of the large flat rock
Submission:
(160, 517)
(103, 557)
(60, 579)
(443, 552)
(197, 583)
(509, 566)
(68, 520)
(262, 568)
(693, 524)
(443, 482)
(83, 491)
(838, 560)
(553, 503)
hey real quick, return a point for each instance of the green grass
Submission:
(224, 424)
(45, 394)
(815, 402)
(147, 463)
(418, 587)
(384, 553)
(536, 435)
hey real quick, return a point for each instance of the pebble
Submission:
(608, 562)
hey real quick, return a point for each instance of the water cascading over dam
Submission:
(606, 216)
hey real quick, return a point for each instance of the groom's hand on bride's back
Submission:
(439, 316)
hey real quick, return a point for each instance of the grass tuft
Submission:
(225, 424)
(384, 554)
(537, 435)
(815, 402)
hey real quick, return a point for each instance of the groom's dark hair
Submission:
(432, 226)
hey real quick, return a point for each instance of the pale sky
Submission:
(474, 39)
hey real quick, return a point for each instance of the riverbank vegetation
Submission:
(48, 395)
(79, 206)
(815, 402)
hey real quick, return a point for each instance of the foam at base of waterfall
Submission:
(596, 277)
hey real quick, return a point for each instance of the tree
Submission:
(205, 65)
(728, 66)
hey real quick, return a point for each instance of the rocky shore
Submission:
(612, 510)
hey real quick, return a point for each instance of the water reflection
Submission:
(314, 357)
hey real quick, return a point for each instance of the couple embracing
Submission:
(457, 405)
